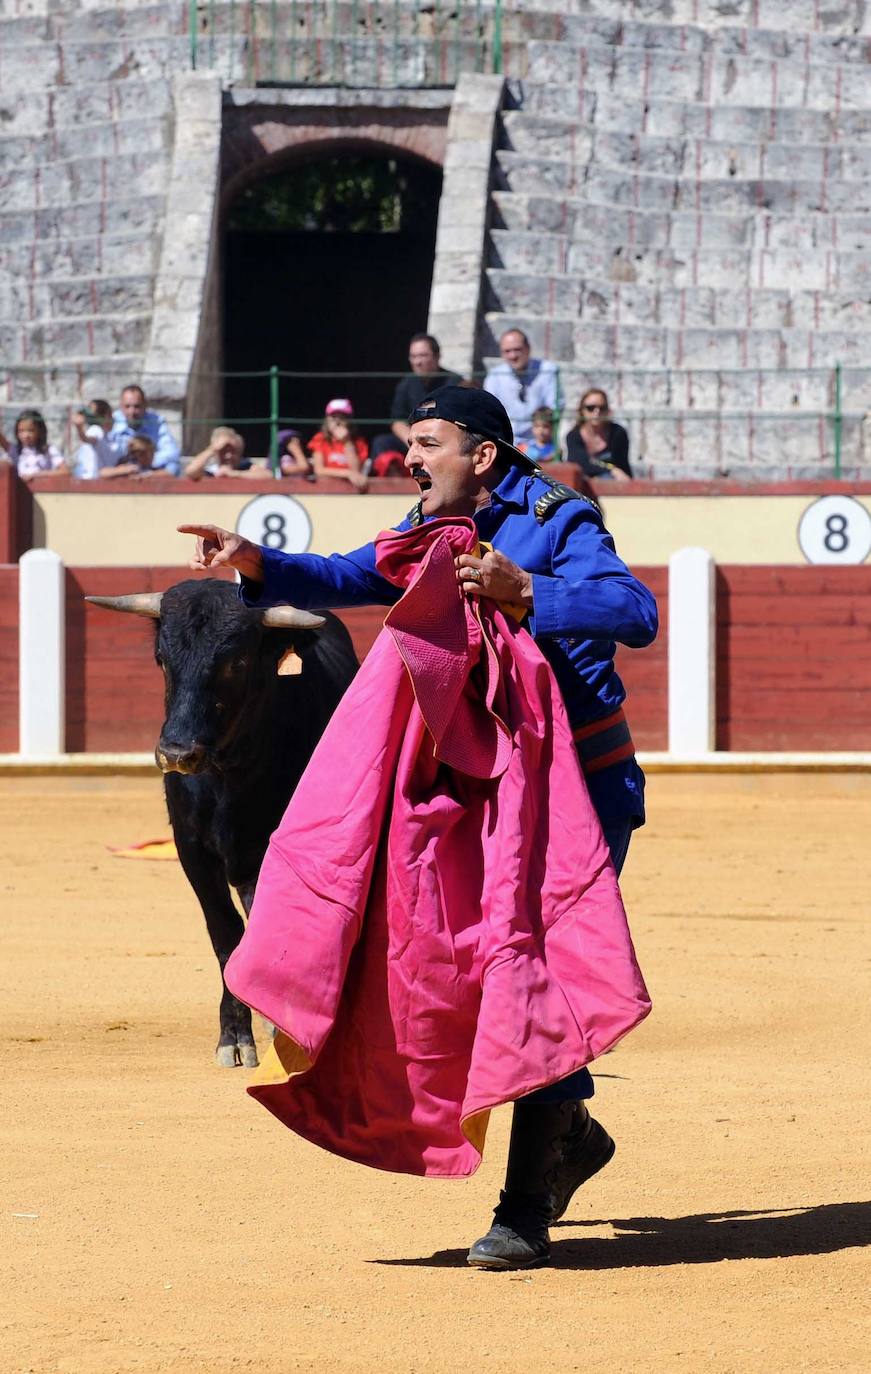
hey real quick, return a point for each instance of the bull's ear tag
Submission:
(290, 663)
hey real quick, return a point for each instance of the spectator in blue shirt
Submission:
(134, 419)
(522, 383)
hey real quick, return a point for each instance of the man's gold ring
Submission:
(474, 574)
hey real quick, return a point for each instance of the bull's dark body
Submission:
(248, 733)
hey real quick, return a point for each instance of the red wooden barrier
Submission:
(8, 659)
(645, 673)
(16, 515)
(115, 690)
(794, 658)
(114, 687)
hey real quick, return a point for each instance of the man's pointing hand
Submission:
(217, 548)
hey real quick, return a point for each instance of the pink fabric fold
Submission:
(437, 927)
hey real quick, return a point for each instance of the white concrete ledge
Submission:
(78, 765)
(333, 97)
(761, 762)
(104, 765)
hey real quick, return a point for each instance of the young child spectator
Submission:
(224, 456)
(337, 450)
(138, 462)
(291, 455)
(598, 445)
(540, 448)
(30, 450)
(95, 452)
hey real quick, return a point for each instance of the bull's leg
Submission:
(204, 872)
(246, 896)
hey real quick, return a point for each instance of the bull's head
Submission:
(215, 658)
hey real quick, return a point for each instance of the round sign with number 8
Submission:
(276, 522)
(835, 529)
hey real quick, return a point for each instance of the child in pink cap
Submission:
(337, 450)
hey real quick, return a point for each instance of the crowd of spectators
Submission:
(135, 442)
(131, 441)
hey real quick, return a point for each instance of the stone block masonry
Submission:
(670, 196)
(86, 137)
(681, 215)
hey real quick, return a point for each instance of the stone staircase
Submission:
(682, 214)
(85, 141)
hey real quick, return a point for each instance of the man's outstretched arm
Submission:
(270, 577)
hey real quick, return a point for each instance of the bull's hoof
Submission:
(234, 1056)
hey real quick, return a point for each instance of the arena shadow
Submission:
(705, 1238)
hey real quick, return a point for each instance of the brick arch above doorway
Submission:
(265, 129)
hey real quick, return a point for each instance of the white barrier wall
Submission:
(692, 664)
(41, 676)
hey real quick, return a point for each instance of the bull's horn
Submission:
(289, 618)
(140, 603)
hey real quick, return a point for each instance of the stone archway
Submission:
(344, 301)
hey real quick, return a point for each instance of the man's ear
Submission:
(486, 458)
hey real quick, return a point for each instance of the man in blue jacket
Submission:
(135, 419)
(551, 553)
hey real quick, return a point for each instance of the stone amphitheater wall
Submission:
(670, 196)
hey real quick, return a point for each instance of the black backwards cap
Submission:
(476, 411)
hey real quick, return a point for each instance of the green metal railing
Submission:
(45, 388)
(348, 43)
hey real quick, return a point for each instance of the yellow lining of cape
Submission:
(282, 1060)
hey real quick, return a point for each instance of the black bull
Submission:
(248, 695)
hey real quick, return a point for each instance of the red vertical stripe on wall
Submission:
(8, 660)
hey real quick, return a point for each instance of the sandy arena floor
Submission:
(154, 1218)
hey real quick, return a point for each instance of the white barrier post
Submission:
(41, 700)
(692, 665)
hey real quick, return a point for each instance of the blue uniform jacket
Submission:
(584, 598)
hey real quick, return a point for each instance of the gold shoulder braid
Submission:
(556, 494)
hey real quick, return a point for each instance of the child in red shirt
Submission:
(337, 450)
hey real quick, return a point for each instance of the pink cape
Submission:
(437, 927)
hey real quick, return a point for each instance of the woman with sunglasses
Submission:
(598, 445)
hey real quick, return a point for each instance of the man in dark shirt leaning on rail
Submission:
(424, 357)
(551, 553)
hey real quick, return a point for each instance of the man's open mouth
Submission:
(422, 478)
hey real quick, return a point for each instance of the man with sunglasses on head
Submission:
(552, 555)
(522, 383)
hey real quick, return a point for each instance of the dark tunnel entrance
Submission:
(328, 266)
